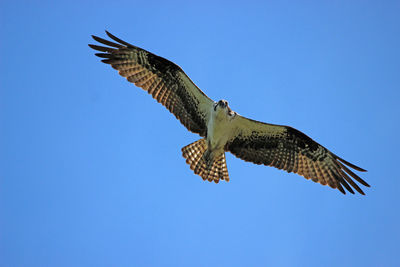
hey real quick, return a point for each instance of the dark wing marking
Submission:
(286, 148)
(161, 78)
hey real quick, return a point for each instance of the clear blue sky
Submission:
(91, 172)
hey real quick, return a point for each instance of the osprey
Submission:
(221, 128)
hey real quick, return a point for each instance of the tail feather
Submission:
(194, 155)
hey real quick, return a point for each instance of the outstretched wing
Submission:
(161, 78)
(286, 148)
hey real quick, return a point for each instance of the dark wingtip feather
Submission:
(351, 182)
(350, 164)
(102, 48)
(352, 174)
(340, 188)
(118, 40)
(92, 46)
(104, 55)
(341, 181)
(108, 33)
(107, 61)
(106, 42)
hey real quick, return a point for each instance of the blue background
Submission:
(91, 172)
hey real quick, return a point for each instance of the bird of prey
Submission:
(221, 128)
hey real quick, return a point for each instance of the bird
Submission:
(221, 129)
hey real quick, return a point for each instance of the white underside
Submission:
(220, 129)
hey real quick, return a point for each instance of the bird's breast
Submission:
(219, 130)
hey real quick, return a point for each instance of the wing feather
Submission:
(286, 148)
(164, 80)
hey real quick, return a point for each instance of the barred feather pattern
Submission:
(163, 80)
(214, 170)
(286, 148)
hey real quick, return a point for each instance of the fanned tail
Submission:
(208, 168)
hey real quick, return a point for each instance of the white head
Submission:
(222, 105)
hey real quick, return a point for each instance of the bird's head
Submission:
(223, 105)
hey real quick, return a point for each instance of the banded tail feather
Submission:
(208, 168)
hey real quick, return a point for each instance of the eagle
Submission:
(221, 129)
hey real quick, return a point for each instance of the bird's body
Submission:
(221, 128)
